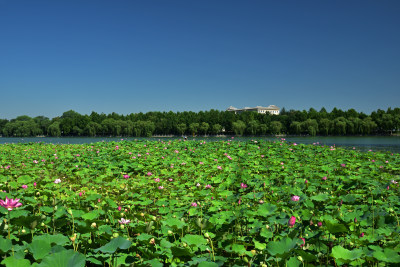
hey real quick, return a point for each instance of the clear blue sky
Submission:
(179, 55)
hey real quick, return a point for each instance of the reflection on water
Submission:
(375, 143)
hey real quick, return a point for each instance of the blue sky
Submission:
(179, 55)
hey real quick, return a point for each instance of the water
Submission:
(374, 143)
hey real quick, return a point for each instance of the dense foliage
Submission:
(192, 203)
(312, 122)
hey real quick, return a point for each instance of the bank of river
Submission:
(375, 143)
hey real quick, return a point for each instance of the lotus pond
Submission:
(197, 203)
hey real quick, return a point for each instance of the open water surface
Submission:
(374, 143)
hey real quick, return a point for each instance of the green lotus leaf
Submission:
(194, 240)
(320, 197)
(57, 239)
(338, 252)
(14, 262)
(174, 222)
(387, 255)
(266, 209)
(39, 248)
(114, 244)
(66, 258)
(281, 247)
(5, 244)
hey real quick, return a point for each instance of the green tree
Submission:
(276, 127)
(310, 126)
(216, 128)
(339, 125)
(295, 127)
(325, 126)
(181, 128)
(204, 127)
(238, 127)
(253, 127)
(263, 128)
(54, 129)
(194, 127)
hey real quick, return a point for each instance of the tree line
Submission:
(214, 122)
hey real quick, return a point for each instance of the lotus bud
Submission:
(122, 226)
(142, 214)
(170, 232)
(69, 211)
(152, 241)
(115, 234)
(206, 235)
(300, 258)
(23, 231)
(93, 225)
(253, 252)
(184, 244)
(73, 238)
(267, 226)
(122, 214)
(154, 218)
(42, 224)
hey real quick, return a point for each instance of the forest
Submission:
(212, 122)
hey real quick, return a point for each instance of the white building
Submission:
(272, 109)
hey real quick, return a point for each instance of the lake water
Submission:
(374, 143)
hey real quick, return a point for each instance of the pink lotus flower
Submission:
(242, 185)
(194, 204)
(157, 180)
(324, 178)
(292, 221)
(304, 241)
(34, 184)
(319, 224)
(119, 208)
(362, 235)
(161, 187)
(24, 186)
(10, 203)
(57, 181)
(295, 198)
(149, 174)
(126, 176)
(219, 168)
(208, 186)
(123, 221)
